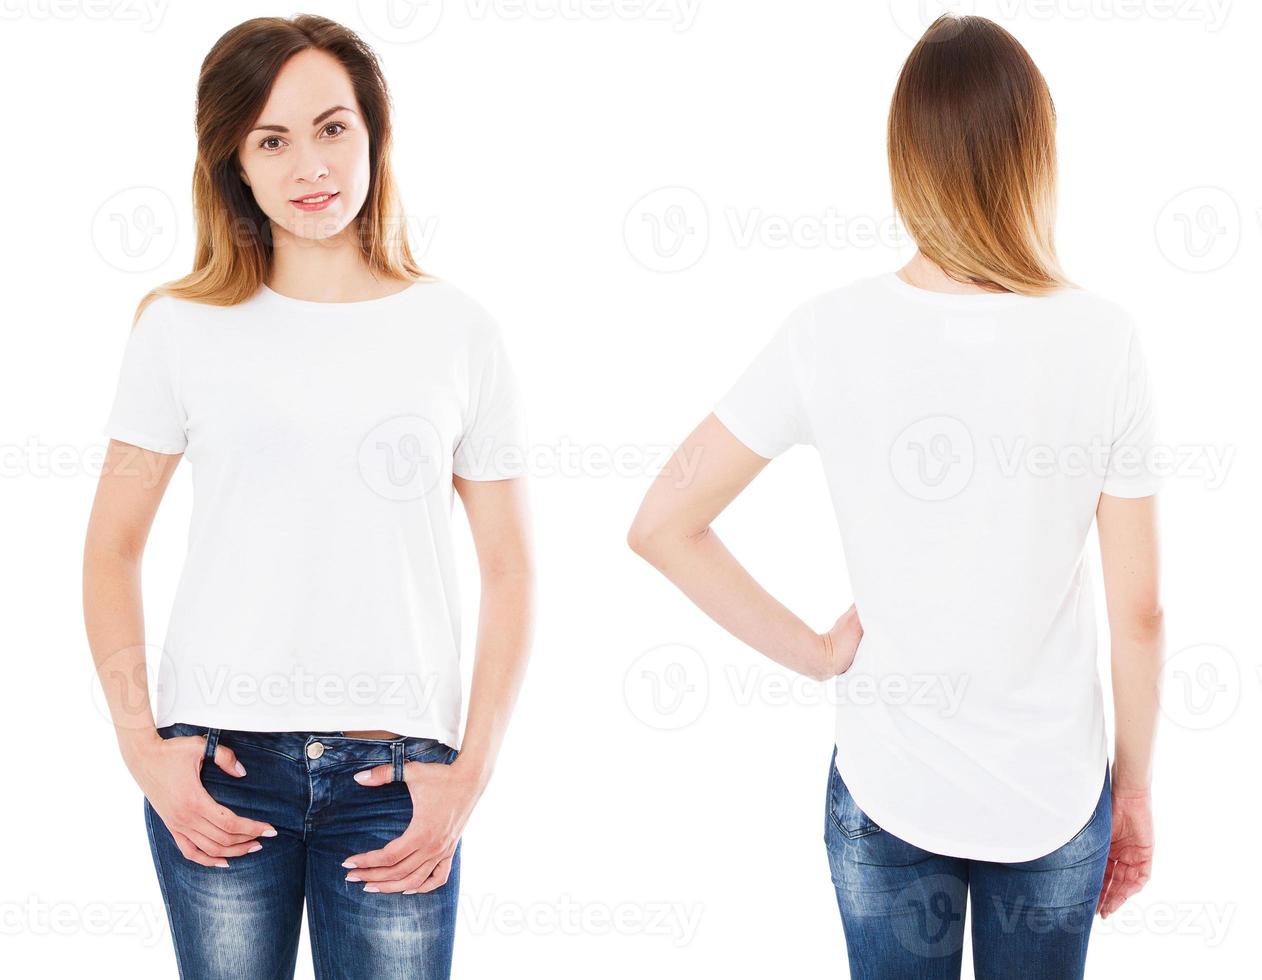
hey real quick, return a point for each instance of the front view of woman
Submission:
(331, 398)
(973, 412)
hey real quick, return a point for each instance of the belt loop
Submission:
(212, 742)
(396, 749)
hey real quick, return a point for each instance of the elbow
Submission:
(640, 540)
(1143, 625)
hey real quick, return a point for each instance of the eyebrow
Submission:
(314, 122)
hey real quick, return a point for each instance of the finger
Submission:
(227, 760)
(384, 857)
(376, 776)
(217, 850)
(230, 823)
(395, 873)
(438, 877)
(192, 853)
(409, 881)
(216, 833)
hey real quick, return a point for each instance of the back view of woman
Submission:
(973, 412)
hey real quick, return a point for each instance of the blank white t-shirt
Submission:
(965, 439)
(319, 590)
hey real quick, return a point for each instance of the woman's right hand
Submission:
(168, 771)
(840, 644)
(1130, 850)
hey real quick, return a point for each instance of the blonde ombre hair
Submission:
(233, 249)
(972, 157)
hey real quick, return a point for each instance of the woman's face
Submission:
(309, 140)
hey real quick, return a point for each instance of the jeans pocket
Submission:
(843, 810)
(416, 749)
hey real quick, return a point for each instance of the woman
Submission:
(330, 396)
(972, 412)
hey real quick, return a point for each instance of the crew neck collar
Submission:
(970, 301)
(270, 295)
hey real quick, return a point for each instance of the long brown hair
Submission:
(972, 157)
(233, 252)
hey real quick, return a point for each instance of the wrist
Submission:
(476, 768)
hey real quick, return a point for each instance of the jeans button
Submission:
(315, 750)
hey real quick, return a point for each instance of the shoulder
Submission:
(446, 306)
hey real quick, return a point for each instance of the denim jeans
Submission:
(902, 908)
(242, 922)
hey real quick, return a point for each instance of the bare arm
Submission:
(1129, 558)
(1128, 554)
(132, 484)
(672, 532)
(443, 797)
(497, 512)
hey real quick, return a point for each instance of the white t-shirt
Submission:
(966, 439)
(319, 591)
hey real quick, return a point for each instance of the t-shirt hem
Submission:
(300, 723)
(735, 425)
(144, 441)
(927, 840)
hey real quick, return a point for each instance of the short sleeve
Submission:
(493, 444)
(1132, 469)
(765, 407)
(147, 411)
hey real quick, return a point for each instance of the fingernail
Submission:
(353, 878)
(270, 832)
(410, 891)
(222, 864)
(363, 776)
(256, 847)
(240, 769)
(348, 863)
(371, 888)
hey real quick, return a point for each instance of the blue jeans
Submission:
(242, 922)
(902, 908)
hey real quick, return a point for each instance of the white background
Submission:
(622, 835)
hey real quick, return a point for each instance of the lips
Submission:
(315, 202)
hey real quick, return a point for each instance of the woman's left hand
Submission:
(443, 796)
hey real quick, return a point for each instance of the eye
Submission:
(263, 143)
(341, 127)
